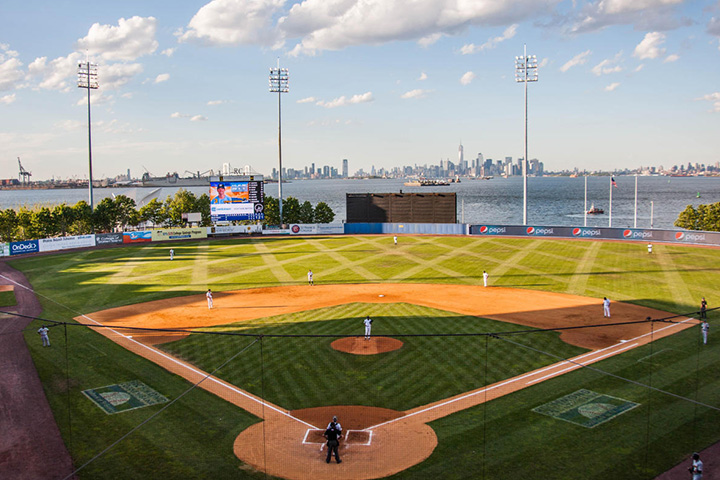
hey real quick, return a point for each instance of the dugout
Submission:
(401, 207)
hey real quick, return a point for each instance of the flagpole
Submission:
(610, 218)
(635, 220)
(585, 214)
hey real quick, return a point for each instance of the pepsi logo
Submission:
(483, 229)
(530, 230)
(627, 233)
(576, 232)
(679, 236)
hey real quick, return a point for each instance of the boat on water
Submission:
(426, 183)
(595, 210)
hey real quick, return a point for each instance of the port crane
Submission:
(24, 175)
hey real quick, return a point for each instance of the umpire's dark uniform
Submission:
(333, 435)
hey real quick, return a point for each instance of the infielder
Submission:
(485, 278)
(172, 254)
(606, 307)
(310, 278)
(696, 470)
(395, 239)
(209, 298)
(43, 332)
(704, 327)
(649, 247)
(368, 326)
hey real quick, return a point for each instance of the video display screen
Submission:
(234, 201)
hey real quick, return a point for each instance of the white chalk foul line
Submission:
(204, 374)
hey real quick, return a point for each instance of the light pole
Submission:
(87, 78)
(279, 79)
(525, 71)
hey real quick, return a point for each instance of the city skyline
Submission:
(183, 87)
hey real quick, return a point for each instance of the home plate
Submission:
(381, 295)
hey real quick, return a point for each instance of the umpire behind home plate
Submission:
(333, 433)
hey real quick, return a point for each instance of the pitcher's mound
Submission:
(360, 346)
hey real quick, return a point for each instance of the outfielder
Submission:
(310, 278)
(43, 332)
(705, 327)
(172, 254)
(209, 298)
(485, 278)
(606, 307)
(368, 326)
(395, 239)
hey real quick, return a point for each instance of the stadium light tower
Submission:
(525, 71)
(279, 79)
(87, 78)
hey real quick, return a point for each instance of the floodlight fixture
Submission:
(88, 79)
(279, 83)
(525, 71)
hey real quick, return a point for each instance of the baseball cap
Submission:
(221, 185)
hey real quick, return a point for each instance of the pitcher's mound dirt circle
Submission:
(360, 346)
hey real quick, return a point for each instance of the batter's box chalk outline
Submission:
(314, 436)
(586, 408)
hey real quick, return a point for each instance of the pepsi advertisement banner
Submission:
(639, 234)
(26, 246)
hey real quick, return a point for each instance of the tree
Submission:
(63, 218)
(203, 206)
(323, 213)
(272, 211)
(8, 225)
(687, 219)
(183, 202)
(291, 210)
(154, 212)
(126, 213)
(83, 223)
(306, 213)
(24, 221)
(105, 215)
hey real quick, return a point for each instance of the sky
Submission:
(183, 85)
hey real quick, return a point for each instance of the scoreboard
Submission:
(235, 201)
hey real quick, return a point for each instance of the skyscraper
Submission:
(345, 168)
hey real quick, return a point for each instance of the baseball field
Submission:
(523, 379)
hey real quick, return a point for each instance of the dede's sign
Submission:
(26, 246)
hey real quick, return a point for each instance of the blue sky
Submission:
(184, 85)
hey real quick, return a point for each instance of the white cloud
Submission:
(337, 24)
(99, 97)
(7, 99)
(213, 103)
(644, 14)
(467, 78)
(163, 77)
(59, 74)
(423, 76)
(344, 101)
(193, 118)
(198, 118)
(179, 115)
(69, 125)
(117, 75)
(578, 59)
(639, 67)
(608, 66)
(168, 52)
(544, 62)
(714, 98)
(650, 47)
(10, 73)
(430, 39)
(671, 58)
(130, 39)
(612, 86)
(417, 93)
(307, 100)
(491, 42)
(234, 22)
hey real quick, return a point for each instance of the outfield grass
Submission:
(504, 439)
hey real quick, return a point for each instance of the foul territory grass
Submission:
(503, 439)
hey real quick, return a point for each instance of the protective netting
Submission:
(431, 394)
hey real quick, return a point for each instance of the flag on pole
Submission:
(612, 179)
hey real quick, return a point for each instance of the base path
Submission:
(378, 442)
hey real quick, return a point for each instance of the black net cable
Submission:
(151, 417)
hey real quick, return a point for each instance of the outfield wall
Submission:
(89, 241)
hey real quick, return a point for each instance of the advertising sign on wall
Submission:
(26, 246)
(234, 201)
(178, 233)
(63, 243)
(108, 238)
(137, 237)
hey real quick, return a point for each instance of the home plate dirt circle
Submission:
(360, 346)
(377, 442)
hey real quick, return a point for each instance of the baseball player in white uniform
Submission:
(485, 278)
(43, 332)
(697, 467)
(606, 307)
(368, 326)
(209, 298)
(395, 239)
(172, 254)
(310, 278)
(705, 327)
